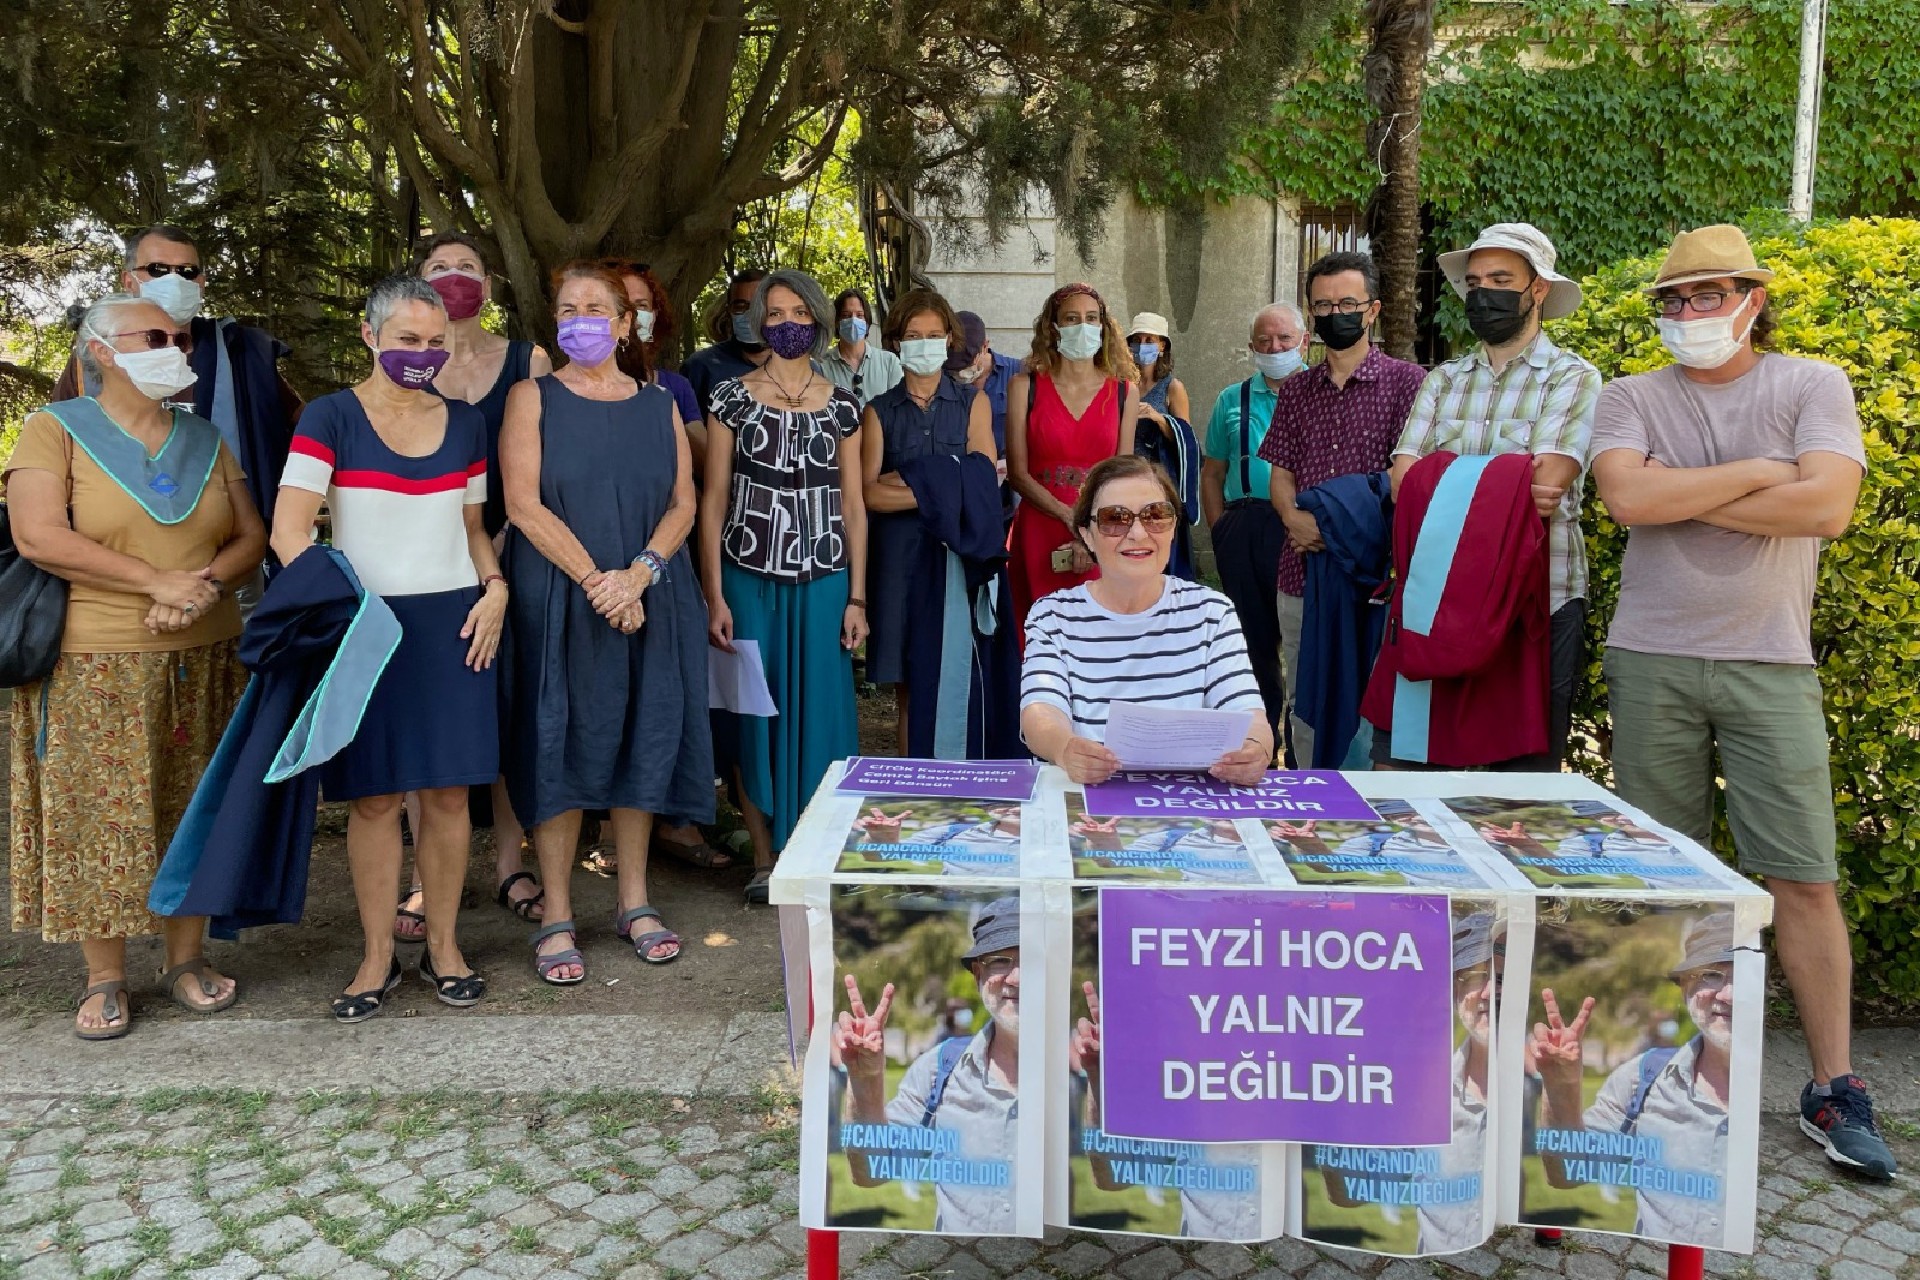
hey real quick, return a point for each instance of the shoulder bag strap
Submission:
(1246, 439)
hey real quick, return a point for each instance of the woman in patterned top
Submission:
(783, 553)
(404, 473)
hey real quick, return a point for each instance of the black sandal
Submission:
(461, 993)
(358, 1006)
(522, 907)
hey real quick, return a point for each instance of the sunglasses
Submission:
(158, 338)
(186, 271)
(1115, 522)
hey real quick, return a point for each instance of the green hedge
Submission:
(1847, 292)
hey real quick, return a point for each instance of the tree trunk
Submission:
(1400, 34)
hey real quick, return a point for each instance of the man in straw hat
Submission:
(1728, 468)
(1674, 1098)
(1516, 392)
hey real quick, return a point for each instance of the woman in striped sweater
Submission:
(1134, 634)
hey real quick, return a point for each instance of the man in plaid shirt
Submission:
(1518, 393)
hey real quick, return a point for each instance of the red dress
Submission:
(1061, 449)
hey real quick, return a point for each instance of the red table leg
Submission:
(1547, 1237)
(1686, 1262)
(823, 1255)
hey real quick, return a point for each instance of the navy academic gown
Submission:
(1341, 626)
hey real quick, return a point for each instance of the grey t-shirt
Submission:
(1695, 590)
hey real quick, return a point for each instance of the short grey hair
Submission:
(96, 323)
(394, 290)
(810, 293)
(161, 230)
(1285, 309)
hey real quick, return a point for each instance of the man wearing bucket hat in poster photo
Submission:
(1669, 1105)
(962, 1090)
(1728, 468)
(1516, 392)
(1447, 1184)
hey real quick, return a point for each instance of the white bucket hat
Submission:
(1531, 243)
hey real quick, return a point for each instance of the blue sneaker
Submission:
(1843, 1123)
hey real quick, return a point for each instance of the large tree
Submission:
(1399, 33)
(559, 128)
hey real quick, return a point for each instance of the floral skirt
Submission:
(97, 795)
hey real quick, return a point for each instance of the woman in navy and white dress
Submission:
(404, 473)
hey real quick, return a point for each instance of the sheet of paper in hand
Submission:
(1147, 737)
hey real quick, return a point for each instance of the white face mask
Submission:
(1080, 341)
(643, 326)
(1278, 364)
(174, 294)
(967, 376)
(1707, 343)
(923, 355)
(155, 374)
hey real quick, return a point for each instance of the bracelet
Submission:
(655, 562)
(856, 601)
(490, 579)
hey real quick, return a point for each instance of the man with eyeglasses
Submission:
(1337, 418)
(1728, 468)
(1516, 392)
(238, 385)
(735, 350)
(963, 1091)
(1674, 1100)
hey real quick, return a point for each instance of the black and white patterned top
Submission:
(783, 517)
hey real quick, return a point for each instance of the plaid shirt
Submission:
(1542, 402)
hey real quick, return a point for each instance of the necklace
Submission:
(792, 399)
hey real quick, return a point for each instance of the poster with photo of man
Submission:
(978, 839)
(1214, 1191)
(918, 1067)
(1583, 844)
(1633, 1120)
(1186, 850)
(1401, 849)
(1426, 1200)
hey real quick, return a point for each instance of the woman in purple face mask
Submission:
(606, 665)
(404, 473)
(783, 553)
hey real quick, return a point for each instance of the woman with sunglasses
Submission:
(1133, 634)
(145, 513)
(1074, 405)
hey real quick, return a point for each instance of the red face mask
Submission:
(463, 294)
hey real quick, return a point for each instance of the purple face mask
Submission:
(790, 339)
(587, 340)
(413, 369)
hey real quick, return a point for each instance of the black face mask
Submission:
(1340, 330)
(1495, 315)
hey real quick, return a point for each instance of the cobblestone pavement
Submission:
(630, 1186)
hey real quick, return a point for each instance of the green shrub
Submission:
(1849, 293)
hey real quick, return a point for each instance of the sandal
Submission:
(358, 1006)
(119, 1018)
(462, 992)
(702, 855)
(545, 965)
(643, 944)
(522, 907)
(200, 970)
(419, 921)
(758, 888)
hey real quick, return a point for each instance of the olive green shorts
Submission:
(1765, 718)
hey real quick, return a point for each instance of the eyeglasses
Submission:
(1116, 522)
(158, 338)
(998, 966)
(1346, 306)
(1705, 302)
(185, 270)
(1465, 980)
(1709, 979)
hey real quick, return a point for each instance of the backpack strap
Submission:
(1652, 1063)
(952, 1049)
(1246, 439)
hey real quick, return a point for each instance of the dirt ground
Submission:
(730, 956)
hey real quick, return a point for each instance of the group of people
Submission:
(564, 547)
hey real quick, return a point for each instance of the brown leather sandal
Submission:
(119, 1016)
(198, 969)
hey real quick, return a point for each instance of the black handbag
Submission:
(33, 614)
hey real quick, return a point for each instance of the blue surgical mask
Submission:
(743, 332)
(852, 329)
(1278, 364)
(1145, 353)
(1080, 341)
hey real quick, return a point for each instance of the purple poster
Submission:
(1320, 794)
(961, 779)
(1276, 1016)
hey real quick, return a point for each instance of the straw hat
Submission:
(1531, 243)
(1710, 253)
(1151, 323)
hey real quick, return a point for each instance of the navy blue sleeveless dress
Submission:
(594, 719)
(493, 410)
(894, 539)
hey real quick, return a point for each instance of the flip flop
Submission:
(522, 907)
(200, 970)
(545, 965)
(119, 1018)
(401, 913)
(702, 855)
(643, 944)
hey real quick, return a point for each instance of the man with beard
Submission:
(1673, 1101)
(1447, 1187)
(962, 1090)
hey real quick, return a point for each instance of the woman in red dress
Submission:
(1075, 405)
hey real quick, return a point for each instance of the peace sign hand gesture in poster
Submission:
(1557, 1055)
(1083, 1050)
(859, 1037)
